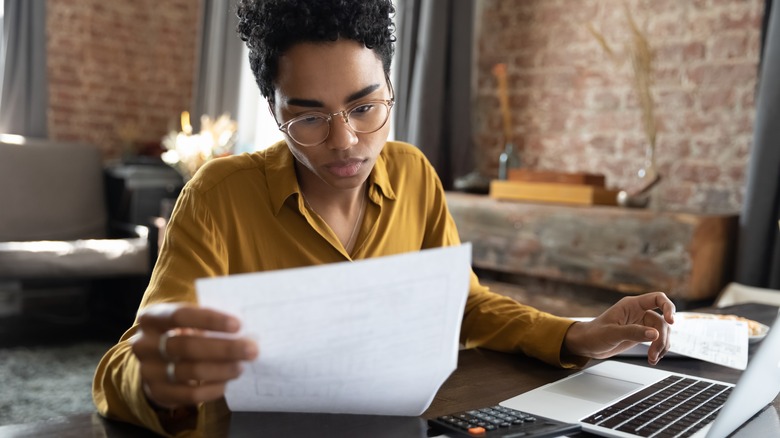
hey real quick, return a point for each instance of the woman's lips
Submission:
(345, 168)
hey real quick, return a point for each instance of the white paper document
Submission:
(724, 342)
(376, 336)
(720, 341)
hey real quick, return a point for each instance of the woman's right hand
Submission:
(184, 360)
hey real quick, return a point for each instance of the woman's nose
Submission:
(341, 136)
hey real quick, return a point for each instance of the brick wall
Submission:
(574, 109)
(120, 72)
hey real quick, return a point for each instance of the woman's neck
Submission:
(341, 210)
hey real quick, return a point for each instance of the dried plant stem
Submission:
(641, 62)
(641, 56)
(602, 41)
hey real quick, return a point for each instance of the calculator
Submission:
(500, 421)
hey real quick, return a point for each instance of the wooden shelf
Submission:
(631, 251)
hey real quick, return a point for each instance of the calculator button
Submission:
(498, 421)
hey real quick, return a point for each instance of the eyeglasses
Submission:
(313, 128)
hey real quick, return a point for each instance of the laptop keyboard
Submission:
(674, 407)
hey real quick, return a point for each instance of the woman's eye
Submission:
(310, 120)
(362, 109)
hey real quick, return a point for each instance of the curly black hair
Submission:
(270, 27)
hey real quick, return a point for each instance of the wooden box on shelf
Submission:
(548, 176)
(558, 187)
(580, 194)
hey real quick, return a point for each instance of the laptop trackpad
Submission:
(587, 386)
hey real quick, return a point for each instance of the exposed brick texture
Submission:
(574, 109)
(120, 72)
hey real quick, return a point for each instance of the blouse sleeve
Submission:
(191, 249)
(492, 320)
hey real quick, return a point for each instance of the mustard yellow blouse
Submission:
(245, 213)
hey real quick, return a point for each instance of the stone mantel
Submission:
(631, 251)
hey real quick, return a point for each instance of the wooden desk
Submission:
(483, 378)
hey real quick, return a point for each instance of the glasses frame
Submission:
(284, 127)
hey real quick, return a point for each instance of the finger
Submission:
(144, 343)
(162, 343)
(185, 373)
(205, 348)
(660, 345)
(634, 333)
(656, 352)
(663, 344)
(163, 317)
(193, 346)
(657, 300)
(669, 310)
(148, 345)
(619, 338)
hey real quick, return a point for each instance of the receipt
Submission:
(724, 342)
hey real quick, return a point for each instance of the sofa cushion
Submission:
(77, 258)
(51, 191)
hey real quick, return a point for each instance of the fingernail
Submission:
(232, 324)
(649, 334)
(250, 349)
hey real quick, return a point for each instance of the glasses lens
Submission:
(313, 129)
(368, 117)
(310, 130)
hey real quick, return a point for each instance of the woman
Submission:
(335, 190)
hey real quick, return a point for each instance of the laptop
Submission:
(616, 399)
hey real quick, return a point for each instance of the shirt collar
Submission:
(280, 174)
(380, 178)
(282, 182)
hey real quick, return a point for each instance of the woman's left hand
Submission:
(630, 321)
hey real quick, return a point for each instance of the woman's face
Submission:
(326, 78)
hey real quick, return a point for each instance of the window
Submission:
(2, 44)
(256, 126)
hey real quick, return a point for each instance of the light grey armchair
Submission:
(54, 227)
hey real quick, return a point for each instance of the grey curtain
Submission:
(25, 97)
(765, 25)
(215, 90)
(433, 86)
(758, 255)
